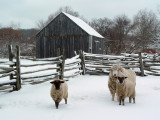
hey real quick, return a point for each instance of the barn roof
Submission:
(83, 25)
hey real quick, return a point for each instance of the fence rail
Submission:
(41, 68)
(140, 63)
(38, 70)
(74, 66)
(13, 71)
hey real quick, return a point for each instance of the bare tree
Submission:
(122, 26)
(67, 9)
(41, 24)
(104, 26)
(147, 29)
(115, 32)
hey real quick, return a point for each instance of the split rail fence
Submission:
(141, 63)
(10, 68)
(74, 66)
(39, 70)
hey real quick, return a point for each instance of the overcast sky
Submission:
(28, 12)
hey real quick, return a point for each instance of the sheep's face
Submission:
(115, 69)
(114, 73)
(121, 79)
(57, 83)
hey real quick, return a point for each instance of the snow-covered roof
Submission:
(83, 25)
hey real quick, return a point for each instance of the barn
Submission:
(69, 33)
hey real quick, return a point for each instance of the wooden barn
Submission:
(69, 33)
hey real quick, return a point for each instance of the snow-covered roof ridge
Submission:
(83, 25)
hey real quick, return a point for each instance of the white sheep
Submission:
(59, 90)
(114, 70)
(125, 85)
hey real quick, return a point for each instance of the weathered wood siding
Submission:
(61, 33)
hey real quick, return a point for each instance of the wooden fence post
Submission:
(62, 66)
(18, 70)
(11, 56)
(82, 62)
(141, 64)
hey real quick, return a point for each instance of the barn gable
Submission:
(84, 26)
(65, 32)
(80, 23)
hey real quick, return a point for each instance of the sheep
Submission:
(125, 87)
(112, 79)
(59, 90)
(115, 70)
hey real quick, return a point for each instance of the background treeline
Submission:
(125, 35)
(121, 33)
(25, 38)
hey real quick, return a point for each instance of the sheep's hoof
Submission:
(65, 101)
(133, 100)
(130, 99)
(57, 104)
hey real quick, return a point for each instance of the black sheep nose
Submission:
(114, 75)
(57, 88)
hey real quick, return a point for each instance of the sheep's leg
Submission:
(123, 101)
(130, 99)
(113, 94)
(112, 91)
(134, 100)
(57, 104)
(65, 100)
(120, 99)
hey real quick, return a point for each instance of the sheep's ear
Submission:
(61, 81)
(52, 82)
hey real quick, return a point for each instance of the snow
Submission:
(89, 99)
(83, 25)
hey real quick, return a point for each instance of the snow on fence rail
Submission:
(41, 69)
(140, 63)
(152, 65)
(37, 70)
(74, 66)
(11, 69)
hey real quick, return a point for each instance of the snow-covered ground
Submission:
(89, 99)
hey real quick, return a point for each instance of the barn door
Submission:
(97, 47)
